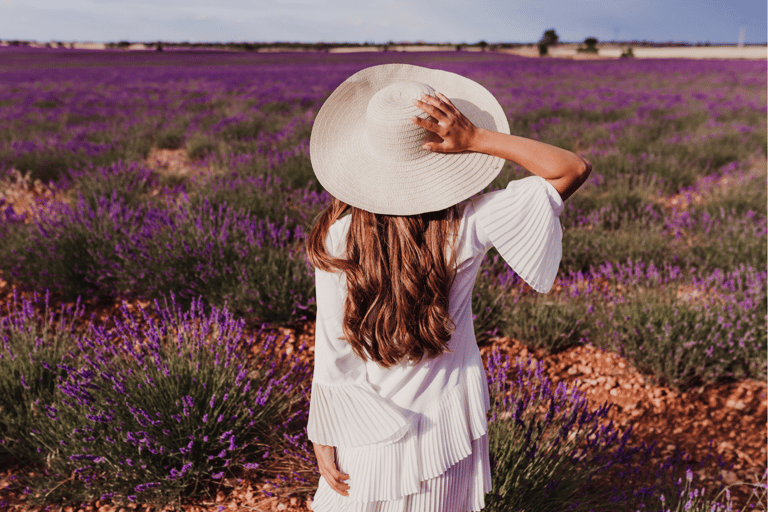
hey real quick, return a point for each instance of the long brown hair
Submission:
(398, 280)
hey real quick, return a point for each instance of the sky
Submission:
(335, 21)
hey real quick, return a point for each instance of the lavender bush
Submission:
(157, 407)
(32, 349)
(549, 452)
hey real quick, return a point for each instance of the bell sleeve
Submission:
(523, 222)
(345, 410)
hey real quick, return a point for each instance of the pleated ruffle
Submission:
(350, 415)
(461, 488)
(439, 438)
(523, 223)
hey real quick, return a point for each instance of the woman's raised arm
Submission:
(453, 132)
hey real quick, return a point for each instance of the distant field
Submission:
(569, 50)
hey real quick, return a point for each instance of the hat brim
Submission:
(349, 170)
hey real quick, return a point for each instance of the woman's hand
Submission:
(326, 462)
(450, 131)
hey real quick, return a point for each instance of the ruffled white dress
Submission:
(414, 437)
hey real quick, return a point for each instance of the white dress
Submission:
(414, 437)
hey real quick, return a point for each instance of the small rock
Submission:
(729, 477)
(725, 446)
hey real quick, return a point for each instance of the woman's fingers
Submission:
(431, 106)
(326, 462)
(446, 103)
(425, 123)
(335, 480)
(451, 131)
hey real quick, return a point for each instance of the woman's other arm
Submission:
(326, 463)
(453, 132)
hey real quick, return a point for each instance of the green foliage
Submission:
(275, 107)
(489, 301)
(586, 247)
(683, 342)
(246, 129)
(200, 146)
(132, 183)
(553, 323)
(170, 138)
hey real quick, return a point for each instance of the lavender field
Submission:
(664, 263)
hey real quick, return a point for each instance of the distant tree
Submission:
(549, 38)
(483, 45)
(159, 46)
(628, 53)
(591, 43)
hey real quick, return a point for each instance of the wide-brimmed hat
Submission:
(366, 151)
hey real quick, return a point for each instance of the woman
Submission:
(399, 395)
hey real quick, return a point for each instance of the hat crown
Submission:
(390, 133)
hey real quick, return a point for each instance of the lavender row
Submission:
(110, 249)
(160, 403)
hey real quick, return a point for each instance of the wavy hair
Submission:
(398, 280)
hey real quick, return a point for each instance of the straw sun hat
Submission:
(366, 151)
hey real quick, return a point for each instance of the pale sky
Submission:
(449, 21)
